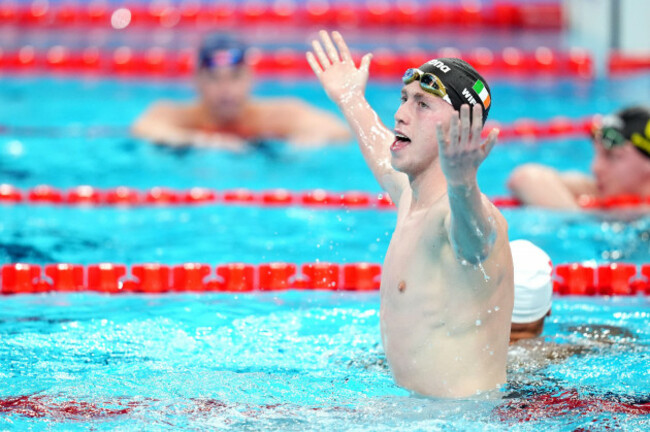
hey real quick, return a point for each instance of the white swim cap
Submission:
(533, 286)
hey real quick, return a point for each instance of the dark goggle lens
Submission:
(410, 75)
(611, 137)
(430, 81)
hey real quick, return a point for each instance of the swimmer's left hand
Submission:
(333, 65)
(462, 151)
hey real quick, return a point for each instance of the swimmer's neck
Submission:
(427, 187)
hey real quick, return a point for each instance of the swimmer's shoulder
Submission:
(176, 112)
(169, 107)
(281, 106)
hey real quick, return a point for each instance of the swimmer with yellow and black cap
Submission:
(447, 279)
(226, 116)
(621, 166)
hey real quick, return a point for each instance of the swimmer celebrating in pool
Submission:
(225, 116)
(447, 280)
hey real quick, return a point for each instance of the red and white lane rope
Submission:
(369, 14)
(620, 63)
(569, 279)
(318, 198)
(125, 61)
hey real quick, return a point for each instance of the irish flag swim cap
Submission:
(463, 83)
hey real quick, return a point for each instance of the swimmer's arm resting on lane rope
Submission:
(473, 222)
(345, 85)
(539, 185)
(165, 123)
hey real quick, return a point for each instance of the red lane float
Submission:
(611, 279)
(574, 279)
(151, 278)
(361, 277)
(276, 276)
(387, 64)
(621, 63)
(20, 278)
(317, 199)
(371, 14)
(106, 277)
(122, 196)
(236, 277)
(190, 277)
(65, 277)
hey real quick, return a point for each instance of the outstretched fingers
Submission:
(342, 46)
(454, 131)
(477, 125)
(314, 64)
(320, 54)
(465, 142)
(365, 62)
(490, 141)
(332, 53)
(443, 144)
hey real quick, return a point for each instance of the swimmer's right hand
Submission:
(336, 70)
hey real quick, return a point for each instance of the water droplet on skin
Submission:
(496, 308)
(478, 323)
(480, 266)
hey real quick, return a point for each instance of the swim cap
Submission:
(464, 84)
(533, 287)
(221, 49)
(630, 124)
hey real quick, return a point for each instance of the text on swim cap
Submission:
(440, 65)
(469, 96)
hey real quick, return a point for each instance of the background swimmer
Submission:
(447, 283)
(225, 116)
(621, 166)
(533, 290)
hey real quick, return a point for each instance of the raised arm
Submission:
(345, 85)
(473, 221)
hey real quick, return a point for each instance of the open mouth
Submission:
(400, 142)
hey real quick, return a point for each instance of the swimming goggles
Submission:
(428, 82)
(609, 133)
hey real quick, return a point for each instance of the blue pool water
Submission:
(54, 131)
(295, 360)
